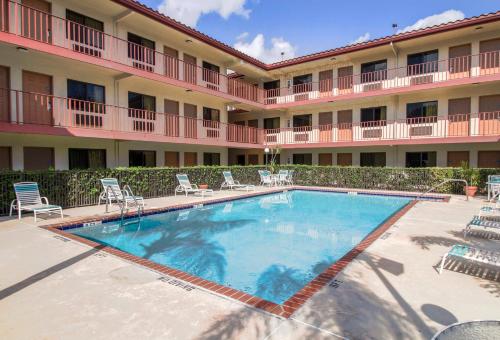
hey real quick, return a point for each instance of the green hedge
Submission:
(82, 187)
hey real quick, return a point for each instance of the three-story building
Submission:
(113, 83)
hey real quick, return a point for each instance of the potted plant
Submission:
(472, 177)
(203, 186)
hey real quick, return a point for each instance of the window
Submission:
(272, 123)
(5, 158)
(211, 158)
(142, 109)
(372, 159)
(86, 32)
(211, 73)
(374, 71)
(240, 159)
(422, 110)
(142, 158)
(87, 159)
(253, 159)
(272, 85)
(423, 62)
(142, 50)
(302, 83)
(211, 114)
(88, 98)
(190, 159)
(302, 158)
(325, 159)
(302, 120)
(420, 159)
(374, 114)
(38, 158)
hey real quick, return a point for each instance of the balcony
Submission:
(483, 126)
(461, 70)
(25, 26)
(25, 112)
(82, 42)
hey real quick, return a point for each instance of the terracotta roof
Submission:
(153, 14)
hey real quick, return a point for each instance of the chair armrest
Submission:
(14, 203)
(237, 182)
(45, 199)
(195, 186)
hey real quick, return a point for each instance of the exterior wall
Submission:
(116, 151)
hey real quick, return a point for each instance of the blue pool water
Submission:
(268, 246)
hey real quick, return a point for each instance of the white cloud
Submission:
(190, 11)
(242, 36)
(361, 39)
(436, 19)
(271, 53)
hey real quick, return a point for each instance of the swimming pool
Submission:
(269, 246)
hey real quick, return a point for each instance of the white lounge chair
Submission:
(113, 194)
(490, 210)
(28, 199)
(186, 187)
(265, 178)
(231, 184)
(289, 179)
(482, 222)
(493, 186)
(471, 254)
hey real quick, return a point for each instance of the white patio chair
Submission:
(231, 184)
(113, 194)
(282, 177)
(28, 199)
(265, 178)
(493, 186)
(186, 187)
(289, 179)
(475, 255)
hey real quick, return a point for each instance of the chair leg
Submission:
(18, 213)
(34, 213)
(60, 210)
(442, 263)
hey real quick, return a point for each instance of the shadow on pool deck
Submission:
(47, 272)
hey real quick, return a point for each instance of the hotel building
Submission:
(107, 83)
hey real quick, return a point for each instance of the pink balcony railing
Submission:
(18, 107)
(472, 66)
(466, 125)
(33, 24)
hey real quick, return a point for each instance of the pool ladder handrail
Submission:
(444, 182)
(127, 191)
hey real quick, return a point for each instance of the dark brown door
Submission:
(171, 62)
(37, 99)
(190, 159)
(489, 115)
(344, 159)
(171, 118)
(325, 126)
(326, 83)
(5, 158)
(325, 159)
(460, 61)
(36, 158)
(488, 159)
(36, 20)
(4, 94)
(457, 158)
(190, 68)
(489, 59)
(345, 79)
(344, 124)
(458, 116)
(190, 121)
(172, 159)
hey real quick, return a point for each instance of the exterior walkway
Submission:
(55, 288)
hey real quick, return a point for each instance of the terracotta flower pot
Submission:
(203, 186)
(471, 190)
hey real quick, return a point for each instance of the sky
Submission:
(267, 28)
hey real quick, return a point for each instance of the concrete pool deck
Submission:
(55, 288)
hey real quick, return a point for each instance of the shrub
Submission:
(72, 188)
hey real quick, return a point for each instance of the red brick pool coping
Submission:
(288, 307)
